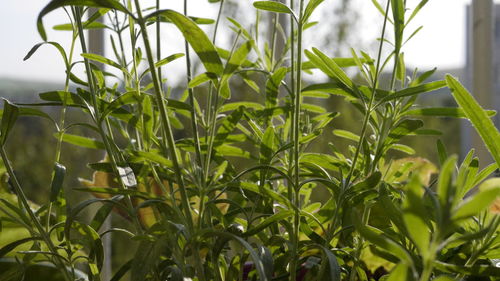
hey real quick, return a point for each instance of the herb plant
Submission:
(218, 188)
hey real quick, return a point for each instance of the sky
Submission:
(441, 42)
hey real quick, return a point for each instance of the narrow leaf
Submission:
(198, 40)
(57, 181)
(9, 117)
(477, 116)
(420, 89)
(489, 191)
(82, 141)
(454, 112)
(55, 4)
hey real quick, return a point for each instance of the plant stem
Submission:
(296, 148)
(158, 42)
(369, 107)
(212, 108)
(194, 118)
(97, 117)
(167, 128)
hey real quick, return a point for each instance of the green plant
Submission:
(218, 189)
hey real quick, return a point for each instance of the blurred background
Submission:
(445, 42)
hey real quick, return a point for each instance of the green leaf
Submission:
(398, 273)
(203, 78)
(198, 40)
(346, 135)
(26, 111)
(416, 90)
(148, 120)
(9, 117)
(329, 67)
(416, 10)
(71, 99)
(330, 88)
(168, 59)
(81, 141)
(401, 68)
(55, 4)
(235, 105)
(11, 246)
(398, 15)
(489, 191)
(103, 212)
(124, 99)
(476, 270)
(272, 86)
(477, 116)
(445, 188)
(275, 218)
(95, 244)
(197, 20)
(227, 126)
(229, 150)
(268, 146)
(274, 6)
(415, 216)
(219, 172)
(403, 148)
(152, 156)
(235, 61)
(55, 44)
(311, 6)
(404, 128)
(443, 154)
(324, 160)
(91, 23)
(57, 181)
(455, 112)
(381, 10)
(313, 108)
(378, 238)
(86, 25)
(424, 76)
(370, 182)
(103, 60)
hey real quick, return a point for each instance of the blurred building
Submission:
(482, 69)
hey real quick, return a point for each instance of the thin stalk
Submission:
(428, 261)
(273, 41)
(167, 128)
(212, 108)
(194, 118)
(292, 89)
(158, 42)
(62, 117)
(219, 14)
(112, 157)
(58, 261)
(369, 108)
(122, 48)
(296, 148)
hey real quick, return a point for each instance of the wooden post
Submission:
(481, 57)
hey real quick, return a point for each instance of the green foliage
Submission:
(212, 186)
